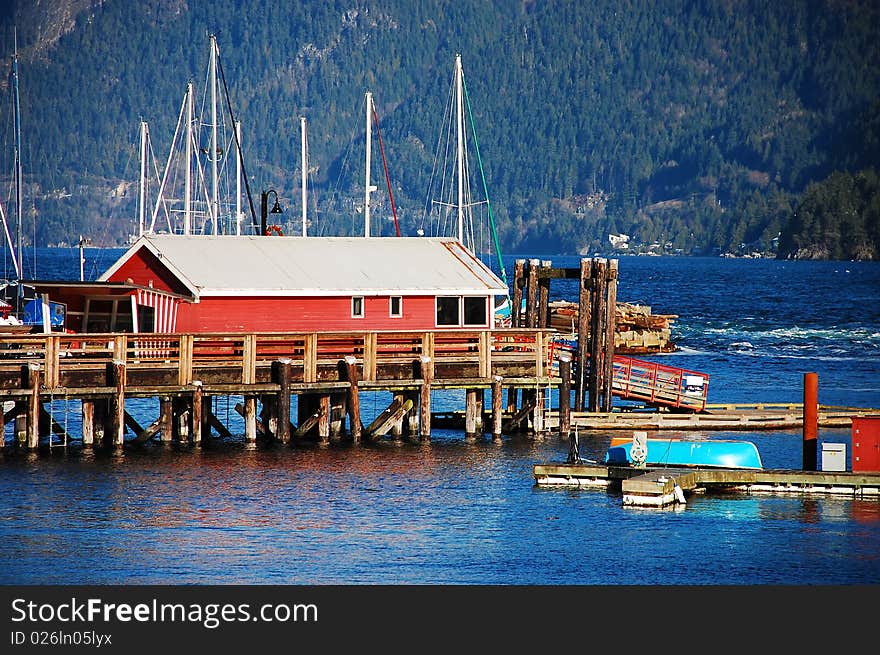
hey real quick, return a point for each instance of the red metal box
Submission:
(865, 443)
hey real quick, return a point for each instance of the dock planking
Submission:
(665, 486)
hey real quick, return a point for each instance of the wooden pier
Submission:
(662, 486)
(327, 371)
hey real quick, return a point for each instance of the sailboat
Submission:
(13, 296)
(372, 118)
(456, 205)
(22, 310)
(204, 159)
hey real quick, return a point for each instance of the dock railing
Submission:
(313, 355)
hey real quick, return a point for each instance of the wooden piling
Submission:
(586, 286)
(166, 418)
(197, 407)
(412, 416)
(512, 393)
(20, 423)
(87, 409)
(564, 394)
(207, 415)
(324, 419)
(607, 397)
(99, 421)
(269, 415)
(250, 419)
(116, 416)
(497, 403)
(532, 294)
(811, 421)
(281, 372)
(516, 317)
(544, 296)
(34, 380)
(354, 405)
(338, 411)
(597, 336)
(470, 413)
(397, 426)
(427, 373)
(183, 412)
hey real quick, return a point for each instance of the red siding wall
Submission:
(237, 314)
(145, 269)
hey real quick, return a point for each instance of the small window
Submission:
(357, 307)
(396, 307)
(447, 310)
(475, 311)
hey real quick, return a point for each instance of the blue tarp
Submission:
(33, 313)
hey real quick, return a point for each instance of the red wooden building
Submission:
(197, 284)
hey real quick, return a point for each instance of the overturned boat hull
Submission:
(714, 453)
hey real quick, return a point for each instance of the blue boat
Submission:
(714, 453)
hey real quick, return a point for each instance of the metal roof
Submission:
(221, 265)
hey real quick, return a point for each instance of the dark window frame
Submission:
(399, 312)
(355, 301)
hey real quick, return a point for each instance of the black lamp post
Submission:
(264, 213)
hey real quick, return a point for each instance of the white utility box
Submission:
(834, 457)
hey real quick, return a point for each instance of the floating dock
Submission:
(728, 417)
(665, 486)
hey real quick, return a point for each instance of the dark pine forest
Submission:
(692, 127)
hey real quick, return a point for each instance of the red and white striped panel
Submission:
(165, 308)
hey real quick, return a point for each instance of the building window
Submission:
(146, 319)
(396, 307)
(357, 307)
(475, 311)
(447, 310)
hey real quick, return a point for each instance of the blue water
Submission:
(454, 511)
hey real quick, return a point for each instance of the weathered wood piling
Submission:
(597, 298)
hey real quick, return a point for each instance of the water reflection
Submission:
(447, 511)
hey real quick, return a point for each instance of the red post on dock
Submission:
(811, 420)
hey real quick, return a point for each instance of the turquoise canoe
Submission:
(715, 453)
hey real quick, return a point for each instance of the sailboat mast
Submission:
(367, 188)
(305, 167)
(215, 197)
(19, 195)
(142, 205)
(187, 192)
(459, 126)
(238, 215)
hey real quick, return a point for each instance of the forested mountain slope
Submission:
(700, 126)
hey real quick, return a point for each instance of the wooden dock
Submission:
(728, 417)
(662, 486)
(328, 371)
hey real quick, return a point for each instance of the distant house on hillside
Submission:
(619, 241)
(197, 284)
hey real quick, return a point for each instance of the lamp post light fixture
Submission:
(264, 212)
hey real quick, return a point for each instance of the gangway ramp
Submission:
(659, 385)
(655, 384)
